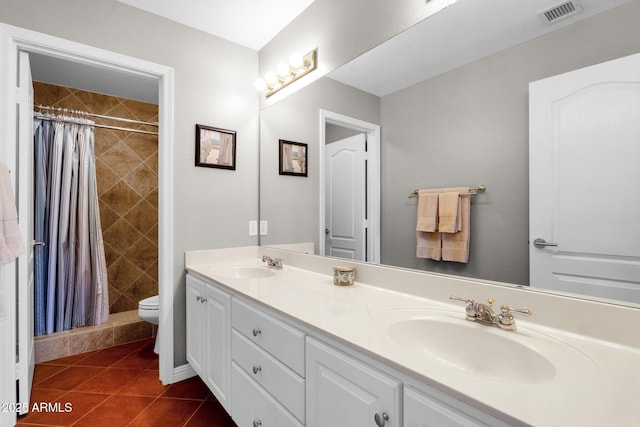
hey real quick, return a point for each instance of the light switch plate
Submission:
(264, 225)
(253, 228)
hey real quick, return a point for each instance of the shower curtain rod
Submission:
(98, 125)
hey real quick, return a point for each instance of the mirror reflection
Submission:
(458, 119)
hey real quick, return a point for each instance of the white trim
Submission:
(15, 39)
(373, 177)
(184, 372)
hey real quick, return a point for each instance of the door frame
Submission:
(373, 177)
(14, 39)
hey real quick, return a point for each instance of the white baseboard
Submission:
(183, 372)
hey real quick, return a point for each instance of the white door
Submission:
(584, 178)
(345, 201)
(25, 362)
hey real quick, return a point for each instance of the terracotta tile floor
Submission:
(118, 386)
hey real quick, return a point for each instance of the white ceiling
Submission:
(250, 23)
(460, 34)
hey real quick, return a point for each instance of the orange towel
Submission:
(427, 210)
(455, 246)
(448, 211)
(429, 245)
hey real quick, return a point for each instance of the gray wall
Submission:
(469, 127)
(291, 203)
(213, 86)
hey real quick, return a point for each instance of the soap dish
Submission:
(344, 275)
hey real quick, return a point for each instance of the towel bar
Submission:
(472, 191)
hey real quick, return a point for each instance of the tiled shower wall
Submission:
(127, 176)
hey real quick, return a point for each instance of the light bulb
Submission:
(296, 60)
(282, 69)
(260, 84)
(270, 77)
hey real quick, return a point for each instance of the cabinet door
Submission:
(421, 410)
(424, 410)
(217, 331)
(195, 324)
(344, 392)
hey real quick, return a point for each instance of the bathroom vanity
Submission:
(288, 348)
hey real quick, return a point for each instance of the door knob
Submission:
(381, 419)
(541, 243)
(326, 231)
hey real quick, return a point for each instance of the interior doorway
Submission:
(363, 191)
(16, 40)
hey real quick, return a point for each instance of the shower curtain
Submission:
(70, 268)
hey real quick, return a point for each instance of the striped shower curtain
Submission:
(70, 268)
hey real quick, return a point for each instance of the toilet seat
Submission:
(151, 303)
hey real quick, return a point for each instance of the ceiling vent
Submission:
(560, 11)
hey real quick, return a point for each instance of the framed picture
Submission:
(293, 158)
(215, 148)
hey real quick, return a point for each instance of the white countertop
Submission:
(596, 382)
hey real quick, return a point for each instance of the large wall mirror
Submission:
(457, 117)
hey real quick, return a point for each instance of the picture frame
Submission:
(293, 158)
(215, 147)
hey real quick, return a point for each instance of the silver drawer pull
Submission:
(381, 419)
(256, 332)
(256, 369)
(257, 423)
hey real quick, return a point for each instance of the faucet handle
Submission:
(505, 309)
(505, 318)
(465, 300)
(470, 307)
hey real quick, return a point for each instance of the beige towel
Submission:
(427, 210)
(429, 245)
(448, 211)
(455, 246)
(11, 244)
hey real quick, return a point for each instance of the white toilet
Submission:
(149, 311)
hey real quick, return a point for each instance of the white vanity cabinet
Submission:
(269, 371)
(267, 379)
(209, 336)
(342, 391)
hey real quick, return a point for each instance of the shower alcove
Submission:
(127, 179)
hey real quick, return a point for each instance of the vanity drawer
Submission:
(280, 340)
(285, 385)
(251, 405)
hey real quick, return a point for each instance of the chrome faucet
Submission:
(275, 264)
(484, 313)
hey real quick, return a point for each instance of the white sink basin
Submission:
(448, 340)
(243, 272)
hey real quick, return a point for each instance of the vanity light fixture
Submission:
(285, 74)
